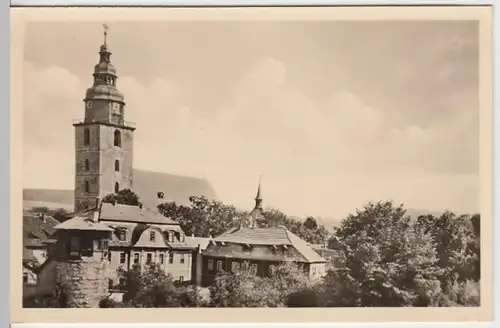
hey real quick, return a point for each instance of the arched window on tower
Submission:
(118, 138)
(117, 165)
(87, 187)
(117, 187)
(87, 165)
(86, 137)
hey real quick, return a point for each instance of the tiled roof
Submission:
(34, 227)
(128, 213)
(270, 236)
(82, 223)
(36, 231)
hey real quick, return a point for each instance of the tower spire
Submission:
(106, 27)
(259, 196)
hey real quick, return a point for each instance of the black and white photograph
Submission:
(251, 163)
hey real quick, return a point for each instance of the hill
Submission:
(146, 185)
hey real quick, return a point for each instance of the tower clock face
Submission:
(89, 104)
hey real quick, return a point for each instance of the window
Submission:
(87, 165)
(87, 187)
(122, 258)
(98, 244)
(253, 269)
(109, 256)
(235, 266)
(25, 277)
(171, 236)
(74, 246)
(272, 270)
(118, 138)
(182, 258)
(86, 136)
(122, 282)
(210, 265)
(181, 279)
(117, 187)
(117, 165)
(122, 234)
(152, 236)
(136, 258)
(219, 265)
(105, 244)
(182, 237)
(149, 258)
(313, 271)
(89, 104)
(110, 283)
(162, 258)
(171, 258)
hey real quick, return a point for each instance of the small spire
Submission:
(259, 195)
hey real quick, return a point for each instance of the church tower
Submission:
(103, 139)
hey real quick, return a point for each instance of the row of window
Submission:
(87, 165)
(235, 266)
(149, 258)
(117, 137)
(170, 236)
(86, 187)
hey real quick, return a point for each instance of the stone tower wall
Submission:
(84, 281)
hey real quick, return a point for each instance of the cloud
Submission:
(319, 157)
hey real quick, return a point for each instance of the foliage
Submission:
(466, 293)
(60, 214)
(153, 288)
(58, 299)
(242, 288)
(384, 260)
(457, 246)
(124, 196)
(203, 218)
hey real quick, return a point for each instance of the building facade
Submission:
(260, 250)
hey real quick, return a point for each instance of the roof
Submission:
(34, 227)
(195, 241)
(129, 213)
(268, 237)
(82, 223)
(36, 231)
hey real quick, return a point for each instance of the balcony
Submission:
(86, 121)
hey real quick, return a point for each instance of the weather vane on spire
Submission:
(106, 27)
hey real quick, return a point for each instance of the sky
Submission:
(332, 114)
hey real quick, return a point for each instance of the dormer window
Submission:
(152, 236)
(122, 234)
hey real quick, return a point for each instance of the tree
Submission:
(384, 260)
(151, 287)
(242, 288)
(203, 218)
(124, 196)
(457, 246)
(60, 214)
(310, 223)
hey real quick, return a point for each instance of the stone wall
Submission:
(85, 282)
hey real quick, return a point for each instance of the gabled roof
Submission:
(279, 236)
(82, 223)
(129, 213)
